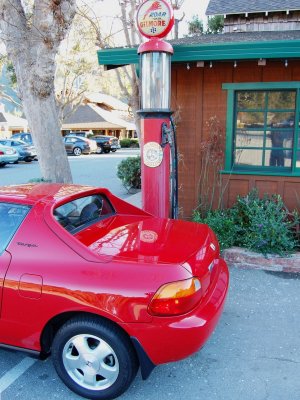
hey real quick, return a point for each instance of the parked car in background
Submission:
(27, 152)
(80, 134)
(24, 136)
(106, 143)
(8, 155)
(118, 290)
(79, 145)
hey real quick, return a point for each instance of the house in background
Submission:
(10, 124)
(244, 85)
(101, 114)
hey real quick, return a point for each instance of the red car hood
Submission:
(148, 240)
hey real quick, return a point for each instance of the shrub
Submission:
(125, 143)
(39, 180)
(223, 225)
(263, 225)
(129, 171)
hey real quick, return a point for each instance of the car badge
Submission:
(212, 246)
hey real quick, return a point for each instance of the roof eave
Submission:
(214, 14)
(275, 49)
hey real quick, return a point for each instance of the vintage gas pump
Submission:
(155, 20)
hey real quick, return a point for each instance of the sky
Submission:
(109, 8)
(193, 7)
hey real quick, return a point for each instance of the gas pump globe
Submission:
(155, 20)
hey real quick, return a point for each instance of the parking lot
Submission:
(94, 169)
(252, 355)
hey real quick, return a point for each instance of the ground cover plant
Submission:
(261, 224)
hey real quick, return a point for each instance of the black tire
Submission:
(114, 150)
(28, 159)
(77, 151)
(77, 363)
(106, 151)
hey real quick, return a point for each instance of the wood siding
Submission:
(197, 96)
(279, 21)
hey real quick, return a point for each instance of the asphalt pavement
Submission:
(95, 169)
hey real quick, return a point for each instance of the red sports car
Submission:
(103, 286)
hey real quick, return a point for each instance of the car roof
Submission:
(76, 137)
(31, 193)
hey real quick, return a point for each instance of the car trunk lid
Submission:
(149, 240)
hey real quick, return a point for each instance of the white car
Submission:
(8, 155)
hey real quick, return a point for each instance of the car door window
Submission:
(11, 217)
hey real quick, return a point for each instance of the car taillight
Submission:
(176, 298)
(1, 153)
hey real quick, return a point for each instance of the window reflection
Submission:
(264, 129)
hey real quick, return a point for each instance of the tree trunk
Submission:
(32, 41)
(42, 116)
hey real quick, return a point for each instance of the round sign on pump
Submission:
(155, 18)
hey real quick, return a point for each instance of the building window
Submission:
(262, 130)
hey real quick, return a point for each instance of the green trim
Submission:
(296, 133)
(231, 129)
(261, 85)
(260, 173)
(285, 49)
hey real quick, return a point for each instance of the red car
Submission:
(103, 286)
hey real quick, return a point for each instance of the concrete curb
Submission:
(245, 259)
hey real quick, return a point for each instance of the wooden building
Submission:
(236, 99)
(101, 114)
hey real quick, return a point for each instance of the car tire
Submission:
(77, 151)
(99, 150)
(28, 159)
(114, 150)
(94, 358)
(2, 165)
(106, 151)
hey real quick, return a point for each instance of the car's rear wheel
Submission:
(106, 151)
(94, 358)
(99, 150)
(77, 151)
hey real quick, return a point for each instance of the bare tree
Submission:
(176, 5)
(126, 76)
(32, 34)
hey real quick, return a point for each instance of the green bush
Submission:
(39, 180)
(223, 225)
(129, 171)
(260, 224)
(125, 143)
(263, 225)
